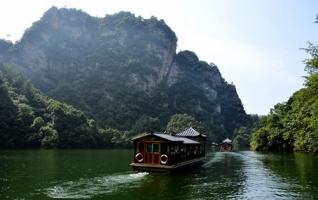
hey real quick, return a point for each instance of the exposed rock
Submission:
(121, 67)
(5, 47)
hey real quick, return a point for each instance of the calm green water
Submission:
(105, 174)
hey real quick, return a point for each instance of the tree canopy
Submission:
(179, 122)
(30, 119)
(293, 125)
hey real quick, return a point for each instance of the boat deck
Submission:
(167, 168)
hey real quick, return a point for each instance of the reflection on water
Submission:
(298, 171)
(257, 176)
(105, 174)
(219, 178)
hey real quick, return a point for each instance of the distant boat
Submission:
(167, 152)
(214, 146)
(226, 145)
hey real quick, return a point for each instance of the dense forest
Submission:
(31, 119)
(242, 135)
(110, 78)
(293, 125)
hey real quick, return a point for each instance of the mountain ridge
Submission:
(120, 68)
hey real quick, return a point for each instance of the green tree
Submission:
(30, 119)
(50, 137)
(180, 122)
(147, 124)
(9, 123)
(114, 138)
(293, 125)
(242, 138)
(72, 126)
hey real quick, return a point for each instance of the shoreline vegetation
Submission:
(293, 125)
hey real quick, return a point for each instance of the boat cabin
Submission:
(166, 152)
(192, 134)
(226, 145)
(214, 146)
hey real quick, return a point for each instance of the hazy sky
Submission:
(255, 44)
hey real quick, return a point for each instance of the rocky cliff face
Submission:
(5, 47)
(120, 68)
(67, 39)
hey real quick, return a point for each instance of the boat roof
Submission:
(188, 141)
(168, 137)
(190, 132)
(227, 140)
(214, 143)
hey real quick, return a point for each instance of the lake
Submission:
(106, 174)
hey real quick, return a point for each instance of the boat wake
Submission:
(216, 158)
(88, 187)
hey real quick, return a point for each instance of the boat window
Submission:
(152, 148)
(155, 148)
(164, 148)
(149, 147)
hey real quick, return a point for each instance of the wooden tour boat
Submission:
(166, 152)
(226, 145)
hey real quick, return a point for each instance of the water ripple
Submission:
(88, 187)
(216, 158)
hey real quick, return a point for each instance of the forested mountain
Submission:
(293, 125)
(124, 72)
(29, 119)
